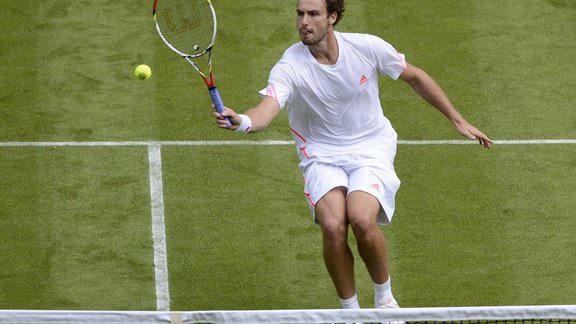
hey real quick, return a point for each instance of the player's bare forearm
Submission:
(264, 113)
(260, 116)
(430, 91)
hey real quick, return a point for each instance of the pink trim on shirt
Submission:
(302, 147)
(309, 199)
(271, 91)
(402, 60)
(297, 134)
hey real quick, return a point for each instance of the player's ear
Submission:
(332, 18)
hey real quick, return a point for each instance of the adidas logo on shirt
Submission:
(363, 79)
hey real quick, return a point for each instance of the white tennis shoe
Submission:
(387, 302)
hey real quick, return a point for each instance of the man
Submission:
(329, 82)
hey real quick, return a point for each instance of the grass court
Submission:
(83, 145)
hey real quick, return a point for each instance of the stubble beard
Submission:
(312, 41)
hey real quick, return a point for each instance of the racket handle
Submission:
(218, 102)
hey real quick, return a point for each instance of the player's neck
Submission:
(326, 51)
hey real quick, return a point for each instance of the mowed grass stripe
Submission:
(477, 227)
(21, 117)
(84, 83)
(76, 229)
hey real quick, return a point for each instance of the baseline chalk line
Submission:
(268, 142)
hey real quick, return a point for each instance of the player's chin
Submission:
(307, 39)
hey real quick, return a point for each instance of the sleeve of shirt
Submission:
(389, 61)
(278, 84)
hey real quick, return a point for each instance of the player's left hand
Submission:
(473, 133)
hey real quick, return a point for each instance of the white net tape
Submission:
(558, 313)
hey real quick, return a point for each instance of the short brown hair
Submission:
(335, 6)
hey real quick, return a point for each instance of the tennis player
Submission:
(329, 84)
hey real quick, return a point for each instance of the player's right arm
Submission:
(261, 116)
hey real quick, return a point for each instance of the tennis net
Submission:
(499, 315)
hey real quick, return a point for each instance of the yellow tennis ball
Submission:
(143, 72)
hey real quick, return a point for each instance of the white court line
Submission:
(497, 142)
(268, 142)
(158, 229)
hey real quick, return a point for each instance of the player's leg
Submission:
(325, 185)
(370, 202)
(331, 215)
(363, 210)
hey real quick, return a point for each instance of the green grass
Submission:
(473, 227)
(486, 228)
(252, 225)
(70, 239)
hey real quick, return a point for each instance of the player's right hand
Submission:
(232, 116)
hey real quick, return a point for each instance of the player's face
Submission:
(313, 21)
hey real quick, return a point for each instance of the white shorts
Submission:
(374, 176)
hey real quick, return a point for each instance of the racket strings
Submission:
(187, 25)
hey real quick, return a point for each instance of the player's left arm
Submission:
(428, 89)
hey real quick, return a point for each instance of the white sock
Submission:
(350, 303)
(382, 290)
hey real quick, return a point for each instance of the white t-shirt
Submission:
(334, 109)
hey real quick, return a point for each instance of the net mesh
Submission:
(501, 315)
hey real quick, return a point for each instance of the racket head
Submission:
(188, 27)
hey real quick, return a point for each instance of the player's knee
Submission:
(363, 225)
(362, 215)
(334, 231)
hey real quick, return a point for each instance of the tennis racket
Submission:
(188, 27)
